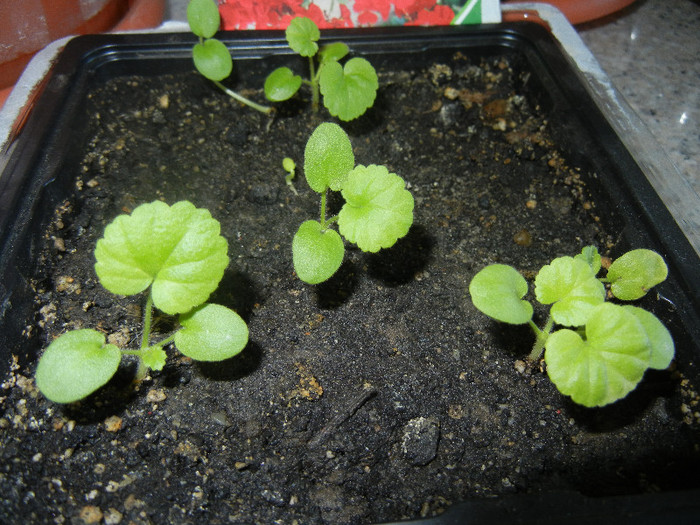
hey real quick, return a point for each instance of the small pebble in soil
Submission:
(523, 238)
(155, 395)
(113, 423)
(420, 440)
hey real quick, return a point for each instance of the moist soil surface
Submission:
(380, 395)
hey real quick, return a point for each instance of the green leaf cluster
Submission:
(378, 209)
(177, 255)
(603, 349)
(348, 90)
(211, 56)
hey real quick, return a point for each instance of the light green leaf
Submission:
(635, 273)
(348, 91)
(497, 290)
(660, 340)
(153, 357)
(302, 34)
(378, 209)
(604, 367)
(328, 158)
(333, 52)
(317, 254)
(75, 365)
(281, 84)
(212, 59)
(591, 257)
(177, 250)
(203, 17)
(211, 333)
(571, 285)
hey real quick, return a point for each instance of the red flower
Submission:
(440, 15)
(276, 14)
(369, 8)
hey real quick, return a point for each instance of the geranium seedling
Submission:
(378, 208)
(605, 348)
(348, 91)
(211, 56)
(177, 255)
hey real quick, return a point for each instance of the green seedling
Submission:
(211, 57)
(378, 208)
(604, 349)
(175, 254)
(347, 90)
(290, 167)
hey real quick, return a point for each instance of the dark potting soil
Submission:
(380, 395)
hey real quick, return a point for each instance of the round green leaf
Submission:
(660, 340)
(378, 208)
(177, 250)
(203, 17)
(75, 365)
(281, 84)
(211, 333)
(328, 158)
(317, 254)
(348, 91)
(635, 273)
(573, 288)
(607, 365)
(212, 59)
(333, 52)
(302, 34)
(497, 290)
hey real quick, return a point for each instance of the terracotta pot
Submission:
(579, 11)
(39, 22)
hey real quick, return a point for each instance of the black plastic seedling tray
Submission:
(39, 166)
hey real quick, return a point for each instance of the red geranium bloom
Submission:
(439, 15)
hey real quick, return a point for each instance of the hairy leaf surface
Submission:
(497, 290)
(604, 367)
(212, 59)
(281, 84)
(328, 158)
(572, 287)
(203, 17)
(590, 256)
(633, 274)
(177, 250)
(75, 365)
(333, 52)
(302, 34)
(348, 90)
(316, 254)
(378, 209)
(660, 340)
(211, 332)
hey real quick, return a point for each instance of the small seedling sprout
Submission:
(175, 254)
(603, 349)
(210, 55)
(290, 167)
(378, 208)
(348, 91)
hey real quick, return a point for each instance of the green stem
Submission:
(167, 340)
(323, 210)
(315, 96)
(540, 339)
(147, 316)
(142, 369)
(240, 98)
